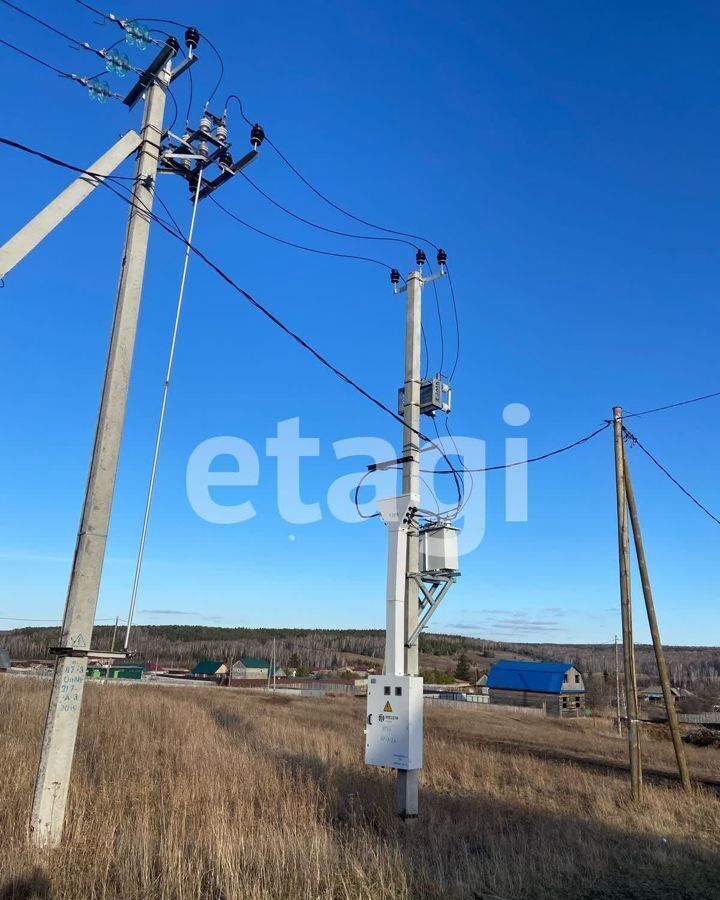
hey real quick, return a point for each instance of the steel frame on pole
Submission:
(161, 420)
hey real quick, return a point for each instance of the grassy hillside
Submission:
(213, 794)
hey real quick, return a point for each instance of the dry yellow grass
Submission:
(207, 793)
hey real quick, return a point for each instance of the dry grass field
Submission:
(213, 793)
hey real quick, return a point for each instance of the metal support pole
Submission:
(406, 793)
(631, 704)
(655, 632)
(56, 757)
(161, 420)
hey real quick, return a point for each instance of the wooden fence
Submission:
(488, 707)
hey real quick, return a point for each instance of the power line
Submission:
(466, 492)
(440, 319)
(322, 196)
(459, 486)
(292, 334)
(123, 23)
(81, 45)
(71, 76)
(523, 462)
(647, 412)
(36, 59)
(43, 23)
(58, 162)
(349, 234)
(457, 323)
(362, 237)
(362, 515)
(287, 243)
(631, 437)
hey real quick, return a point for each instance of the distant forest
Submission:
(184, 645)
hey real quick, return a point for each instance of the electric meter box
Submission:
(394, 727)
(439, 549)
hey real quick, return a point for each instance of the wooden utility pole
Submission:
(631, 702)
(655, 632)
(617, 688)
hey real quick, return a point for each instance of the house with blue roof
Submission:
(557, 687)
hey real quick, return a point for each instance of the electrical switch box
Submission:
(394, 727)
(435, 396)
(439, 549)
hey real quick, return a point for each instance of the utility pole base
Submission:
(406, 793)
(53, 779)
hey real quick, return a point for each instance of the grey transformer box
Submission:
(439, 549)
(435, 396)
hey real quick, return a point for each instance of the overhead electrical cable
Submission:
(322, 196)
(44, 23)
(36, 59)
(116, 20)
(228, 280)
(167, 227)
(80, 45)
(633, 439)
(467, 492)
(439, 317)
(647, 412)
(459, 486)
(457, 324)
(274, 237)
(348, 234)
(523, 462)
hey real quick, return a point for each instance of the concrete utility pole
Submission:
(631, 702)
(655, 632)
(406, 791)
(415, 587)
(53, 777)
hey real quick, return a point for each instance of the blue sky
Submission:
(564, 155)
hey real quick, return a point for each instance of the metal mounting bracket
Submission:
(433, 588)
(96, 654)
(440, 274)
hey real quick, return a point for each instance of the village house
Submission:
(556, 687)
(654, 695)
(251, 667)
(208, 670)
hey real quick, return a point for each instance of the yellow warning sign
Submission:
(387, 707)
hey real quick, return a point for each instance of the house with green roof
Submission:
(250, 667)
(208, 669)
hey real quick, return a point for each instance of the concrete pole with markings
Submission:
(631, 704)
(56, 758)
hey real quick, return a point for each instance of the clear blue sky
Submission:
(564, 154)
